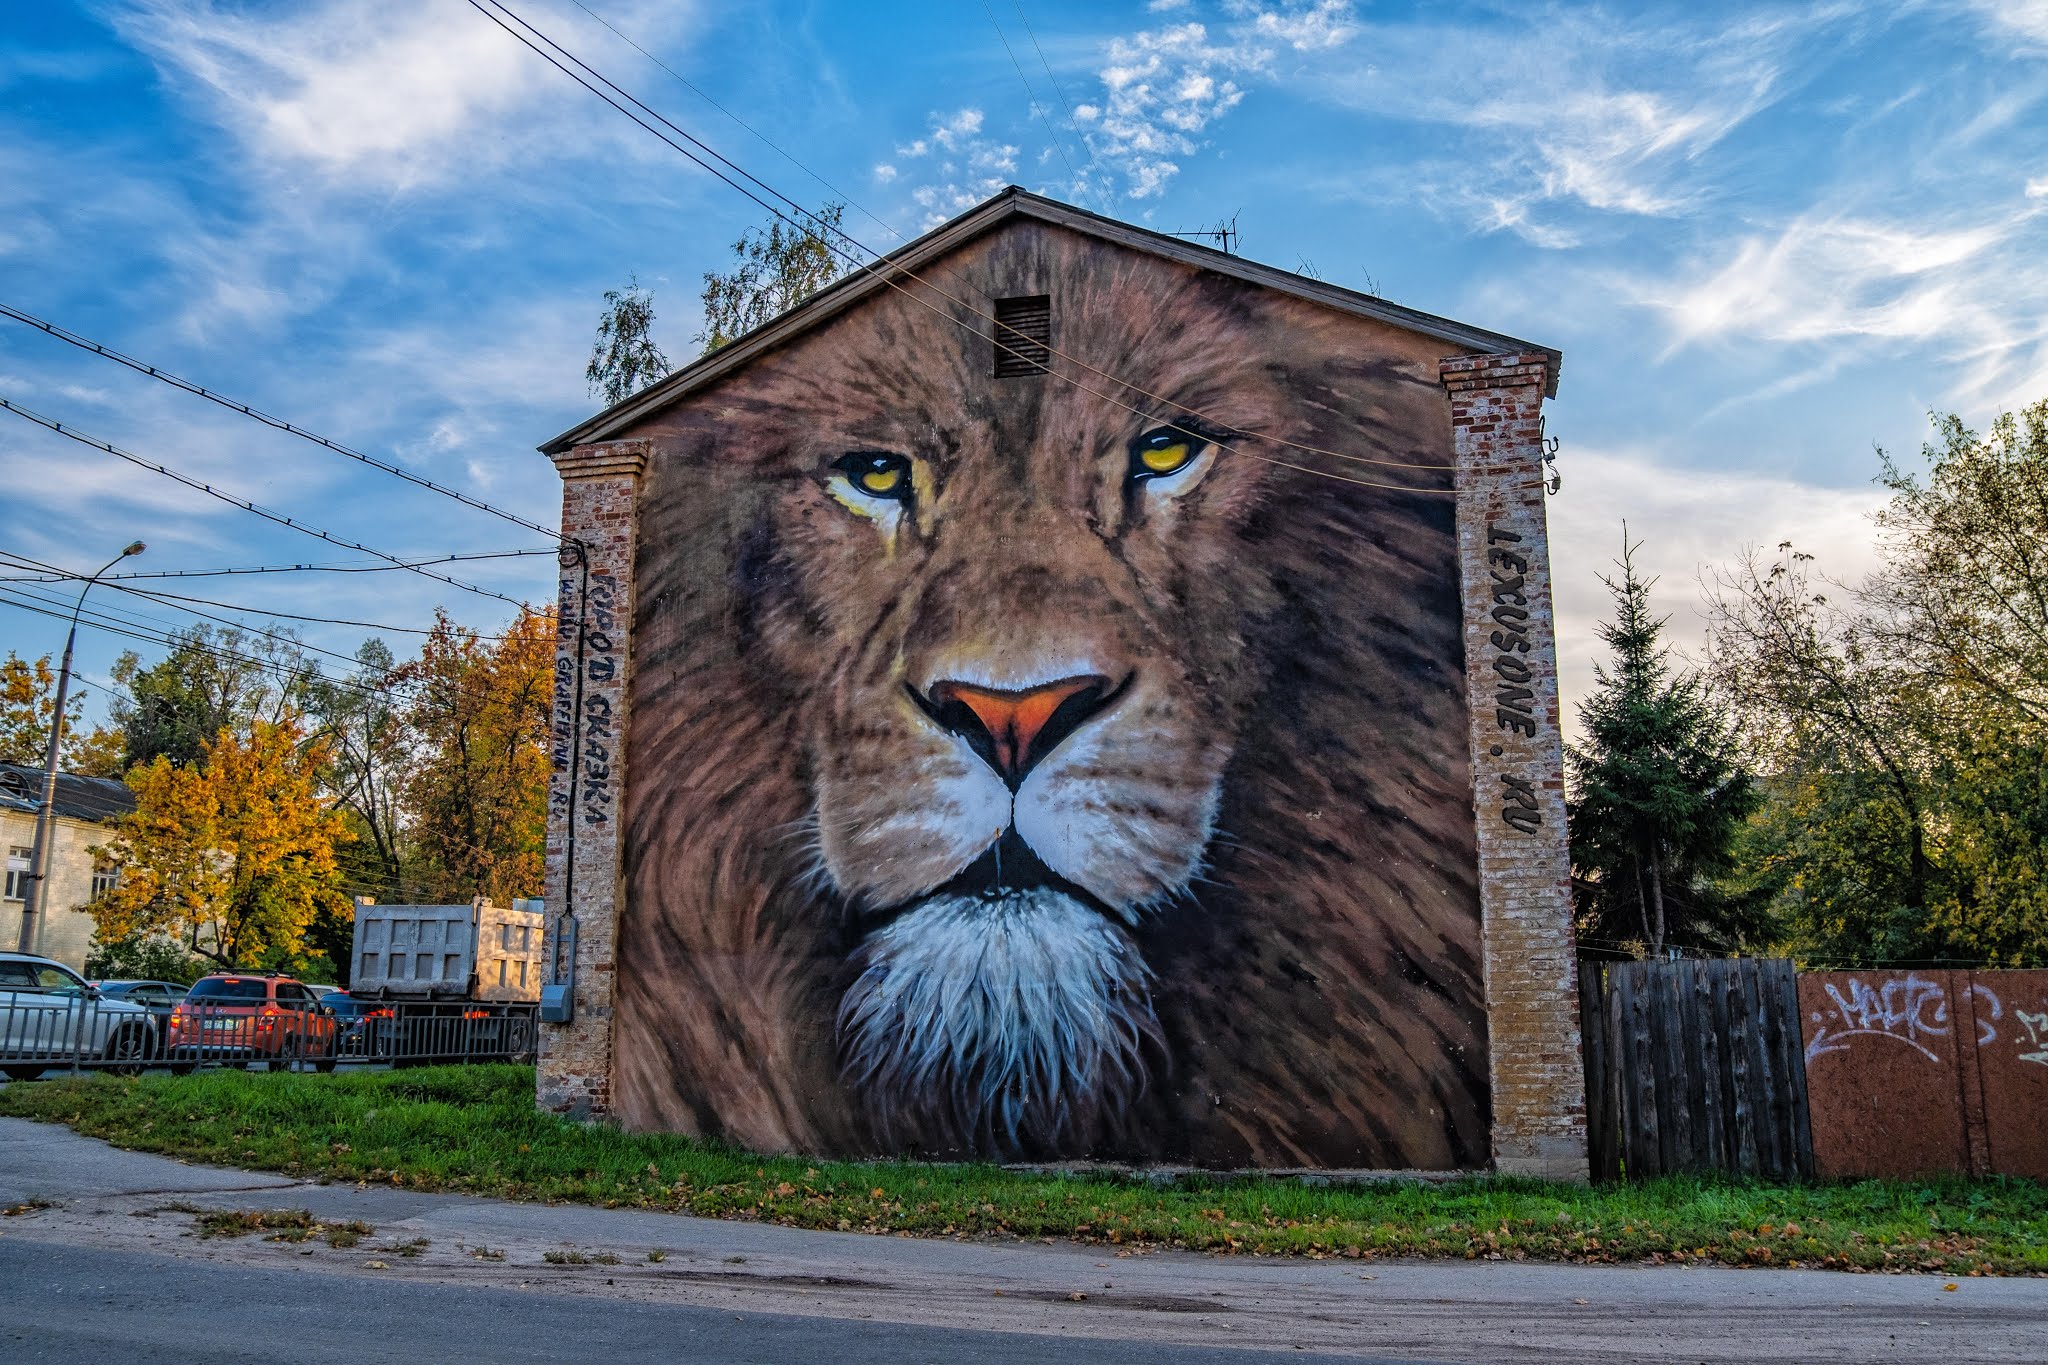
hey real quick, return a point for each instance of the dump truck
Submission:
(445, 982)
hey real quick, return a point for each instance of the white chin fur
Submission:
(1002, 1026)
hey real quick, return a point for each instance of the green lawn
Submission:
(475, 1129)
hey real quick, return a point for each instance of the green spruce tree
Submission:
(1656, 797)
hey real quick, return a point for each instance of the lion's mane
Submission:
(1317, 988)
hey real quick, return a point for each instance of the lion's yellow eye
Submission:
(1162, 451)
(1165, 459)
(876, 473)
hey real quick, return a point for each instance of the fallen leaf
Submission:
(375, 1265)
(1077, 1296)
(1581, 1301)
(1949, 1288)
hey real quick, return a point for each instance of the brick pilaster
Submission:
(1539, 1093)
(593, 663)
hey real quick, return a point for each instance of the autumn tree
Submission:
(778, 268)
(233, 856)
(1904, 720)
(214, 678)
(28, 698)
(475, 799)
(624, 358)
(1656, 796)
(360, 724)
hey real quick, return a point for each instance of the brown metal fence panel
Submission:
(1923, 1072)
(1694, 1066)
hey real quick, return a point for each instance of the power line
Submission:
(397, 471)
(687, 84)
(1093, 162)
(479, 6)
(110, 625)
(57, 575)
(247, 506)
(112, 613)
(1032, 95)
(304, 568)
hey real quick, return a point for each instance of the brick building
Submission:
(1066, 692)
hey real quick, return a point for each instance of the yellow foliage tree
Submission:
(28, 698)
(475, 801)
(233, 857)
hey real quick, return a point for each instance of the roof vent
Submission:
(1023, 335)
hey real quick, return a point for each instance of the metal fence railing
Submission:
(60, 1030)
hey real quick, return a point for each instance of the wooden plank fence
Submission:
(1694, 1066)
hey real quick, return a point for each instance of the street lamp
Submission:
(39, 856)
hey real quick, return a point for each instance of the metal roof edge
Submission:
(1012, 202)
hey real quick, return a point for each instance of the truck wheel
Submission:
(22, 1073)
(325, 1065)
(183, 1068)
(127, 1051)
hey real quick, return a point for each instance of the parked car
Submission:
(366, 1027)
(155, 996)
(239, 1018)
(50, 1016)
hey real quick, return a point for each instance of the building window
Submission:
(17, 872)
(105, 877)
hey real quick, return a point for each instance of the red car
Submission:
(240, 1018)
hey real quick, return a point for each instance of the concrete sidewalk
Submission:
(127, 1215)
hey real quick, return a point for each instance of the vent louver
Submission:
(1023, 335)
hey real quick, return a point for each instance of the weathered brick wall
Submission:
(1539, 1114)
(592, 667)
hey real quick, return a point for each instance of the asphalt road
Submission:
(86, 1306)
(100, 1261)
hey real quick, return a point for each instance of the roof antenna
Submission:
(1224, 234)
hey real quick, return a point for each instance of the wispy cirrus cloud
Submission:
(1974, 292)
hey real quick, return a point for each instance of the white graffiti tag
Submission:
(1908, 1008)
(2036, 1026)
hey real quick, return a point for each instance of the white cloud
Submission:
(1976, 292)
(1578, 114)
(960, 166)
(1689, 523)
(2023, 19)
(369, 94)
(884, 173)
(1162, 88)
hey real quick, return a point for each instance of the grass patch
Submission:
(574, 1257)
(475, 1129)
(276, 1225)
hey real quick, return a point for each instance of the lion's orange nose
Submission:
(1013, 730)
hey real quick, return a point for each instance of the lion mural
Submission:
(1032, 767)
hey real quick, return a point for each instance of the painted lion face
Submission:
(1005, 749)
(1032, 622)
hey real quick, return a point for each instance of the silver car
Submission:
(50, 1016)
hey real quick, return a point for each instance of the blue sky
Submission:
(1766, 238)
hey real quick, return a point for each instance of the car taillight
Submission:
(476, 1014)
(177, 1018)
(381, 1014)
(269, 1012)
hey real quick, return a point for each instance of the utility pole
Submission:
(46, 813)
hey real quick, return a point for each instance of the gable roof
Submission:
(1016, 202)
(81, 798)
